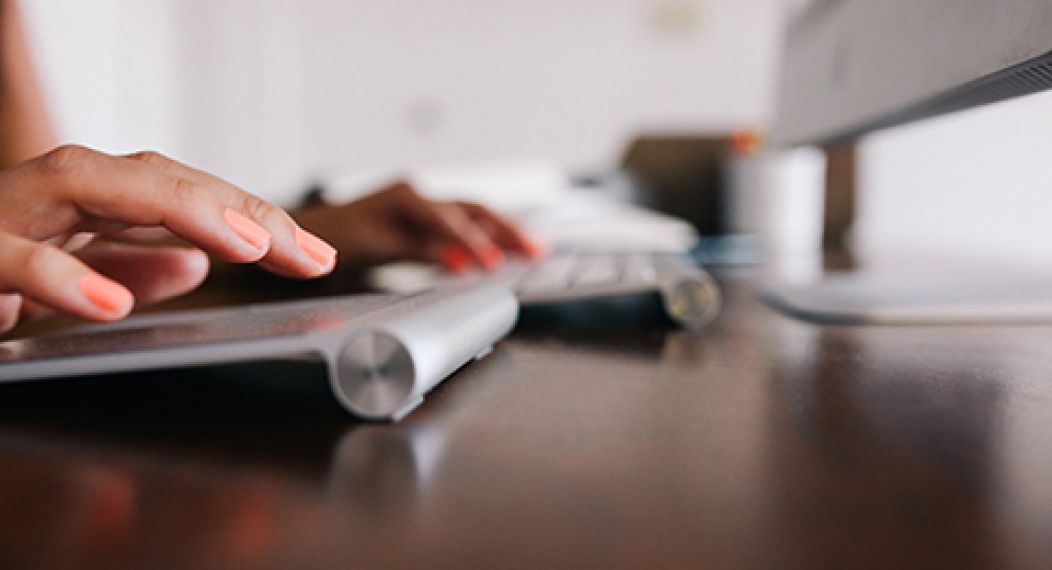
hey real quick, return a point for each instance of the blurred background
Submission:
(268, 92)
(274, 93)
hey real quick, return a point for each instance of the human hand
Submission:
(54, 205)
(397, 223)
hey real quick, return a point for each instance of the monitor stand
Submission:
(935, 293)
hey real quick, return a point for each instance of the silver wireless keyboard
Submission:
(384, 353)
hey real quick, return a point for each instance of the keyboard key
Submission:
(640, 268)
(548, 276)
(597, 270)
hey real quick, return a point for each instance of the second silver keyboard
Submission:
(690, 295)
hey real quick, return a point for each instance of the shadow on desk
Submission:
(254, 413)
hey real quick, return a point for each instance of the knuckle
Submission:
(448, 214)
(184, 194)
(65, 160)
(263, 211)
(404, 188)
(37, 260)
(151, 157)
(455, 216)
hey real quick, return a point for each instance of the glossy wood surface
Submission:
(581, 442)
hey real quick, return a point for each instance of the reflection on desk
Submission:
(761, 443)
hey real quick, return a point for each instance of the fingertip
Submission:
(195, 262)
(249, 230)
(183, 271)
(456, 260)
(255, 239)
(535, 248)
(113, 300)
(492, 257)
(318, 250)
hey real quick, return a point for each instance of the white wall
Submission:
(418, 82)
(268, 92)
(975, 184)
(107, 68)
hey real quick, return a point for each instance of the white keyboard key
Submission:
(513, 272)
(548, 276)
(597, 270)
(640, 268)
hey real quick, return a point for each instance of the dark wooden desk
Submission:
(761, 443)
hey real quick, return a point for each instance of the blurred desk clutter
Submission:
(668, 192)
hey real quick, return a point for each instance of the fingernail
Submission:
(456, 260)
(492, 257)
(535, 249)
(314, 247)
(105, 294)
(250, 231)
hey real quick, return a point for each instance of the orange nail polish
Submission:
(492, 257)
(250, 231)
(314, 247)
(105, 294)
(456, 260)
(535, 249)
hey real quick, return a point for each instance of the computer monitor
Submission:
(853, 66)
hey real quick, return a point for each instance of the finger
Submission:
(294, 253)
(151, 274)
(144, 235)
(57, 279)
(469, 236)
(504, 232)
(448, 226)
(10, 309)
(112, 193)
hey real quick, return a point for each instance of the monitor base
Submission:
(910, 299)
